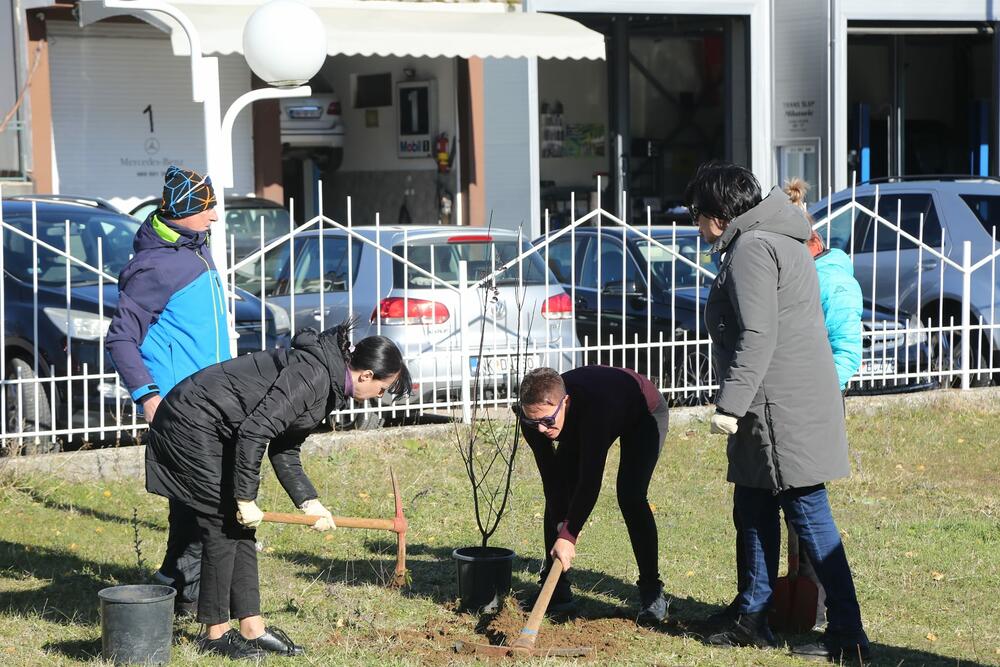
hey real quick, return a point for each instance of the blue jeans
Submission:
(808, 511)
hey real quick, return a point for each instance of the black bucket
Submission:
(483, 577)
(137, 624)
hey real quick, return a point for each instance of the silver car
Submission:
(902, 275)
(408, 291)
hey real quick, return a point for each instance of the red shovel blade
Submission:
(793, 607)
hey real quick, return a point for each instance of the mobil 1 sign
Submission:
(416, 106)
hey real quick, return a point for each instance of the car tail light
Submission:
(557, 307)
(471, 238)
(395, 310)
(333, 109)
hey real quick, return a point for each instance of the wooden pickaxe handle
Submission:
(530, 631)
(341, 521)
(397, 524)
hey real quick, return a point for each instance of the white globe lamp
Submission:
(284, 43)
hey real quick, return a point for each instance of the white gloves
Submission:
(248, 514)
(723, 424)
(315, 508)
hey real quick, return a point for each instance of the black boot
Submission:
(653, 604)
(231, 645)
(745, 630)
(837, 647)
(562, 602)
(723, 617)
(275, 640)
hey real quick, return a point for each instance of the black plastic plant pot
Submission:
(137, 624)
(483, 577)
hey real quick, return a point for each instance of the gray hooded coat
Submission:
(772, 355)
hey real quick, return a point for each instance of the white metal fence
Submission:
(473, 308)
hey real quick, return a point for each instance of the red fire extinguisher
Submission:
(441, 153)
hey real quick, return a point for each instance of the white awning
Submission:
(372, 27)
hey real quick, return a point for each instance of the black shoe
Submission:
(836, 647)
(185, 610)
(653, 605)
(231, 645)
(746, 630)
(275, 640)
(562, 601)
(723, 617)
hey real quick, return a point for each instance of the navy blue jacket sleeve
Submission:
(142, 296)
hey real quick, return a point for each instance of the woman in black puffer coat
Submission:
(208, 439)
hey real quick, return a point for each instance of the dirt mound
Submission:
(434, 643)
(604, 635)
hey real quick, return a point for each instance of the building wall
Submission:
(10, 163)
(800, 69)
(506, 177)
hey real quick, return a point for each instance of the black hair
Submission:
(541, 385)
(379, 355)
(723, 190)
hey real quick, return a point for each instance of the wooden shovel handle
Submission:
(341, 521)
(530, 631)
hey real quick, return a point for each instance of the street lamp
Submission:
(284, 43)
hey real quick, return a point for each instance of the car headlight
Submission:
(78, 324)
(282, 323)
(916, 333)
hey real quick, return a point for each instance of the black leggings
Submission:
(640, 450)
(229, 583)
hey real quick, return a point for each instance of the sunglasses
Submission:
(548, 421)
(695, 211)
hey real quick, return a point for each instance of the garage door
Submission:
(122, 112)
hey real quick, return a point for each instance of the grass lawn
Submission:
(920, 520)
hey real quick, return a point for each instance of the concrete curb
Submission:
(128, 462)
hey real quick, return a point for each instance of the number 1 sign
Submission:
(417, 118)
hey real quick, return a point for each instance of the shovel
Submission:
(524, 645)
(793, 607)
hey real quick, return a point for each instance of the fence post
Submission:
(463, 334)
(966, 309)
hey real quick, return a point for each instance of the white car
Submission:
(312, 127)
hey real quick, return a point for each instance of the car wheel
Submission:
(694, 371)
(946, 357)
(24, 412)
(363, 421)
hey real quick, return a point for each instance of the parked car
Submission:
(312, 127)
(66, 307)
(417, 306)
(247, 218)
(657, 292)
(953, 211)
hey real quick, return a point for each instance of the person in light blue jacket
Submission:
(839, 294)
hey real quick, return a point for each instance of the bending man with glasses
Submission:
(585, 410)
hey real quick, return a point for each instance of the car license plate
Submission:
(502, 365)
(883, 367)
(305, 112)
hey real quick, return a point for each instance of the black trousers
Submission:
(640, 450)
(230, 588)
(182, 561)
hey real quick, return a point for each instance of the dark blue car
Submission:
(53, 324)
(656, 291)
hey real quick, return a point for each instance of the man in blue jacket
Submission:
(170, 323)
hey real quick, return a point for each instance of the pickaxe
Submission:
(397, 525)
(524, 645)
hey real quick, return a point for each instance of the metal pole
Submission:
(966, 309)
(463, 284)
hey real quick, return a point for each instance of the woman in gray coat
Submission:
(779, 400)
